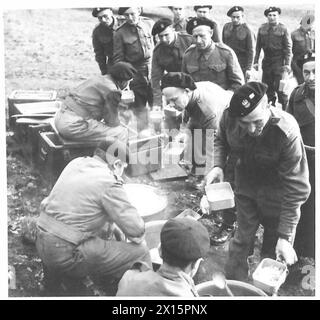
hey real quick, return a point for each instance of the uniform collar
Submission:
(207, 52)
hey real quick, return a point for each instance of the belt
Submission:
(61, 229)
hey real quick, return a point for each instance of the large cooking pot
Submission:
(238, 288)
(147, 200)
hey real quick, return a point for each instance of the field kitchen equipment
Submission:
(270, 275)
(237, 288)
(147, 200)
(220, 196)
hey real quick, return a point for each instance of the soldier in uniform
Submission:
(238, 36)
(302, 107)
(102, 38)
(133, 43)
(303, 42)
(204, 12)
(179, 20)
(202, 104)
(167, 55)
(207, 60)
(271, 175)
(273, 37)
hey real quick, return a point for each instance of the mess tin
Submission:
(220, 196)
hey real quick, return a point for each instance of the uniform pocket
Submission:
(218, 67)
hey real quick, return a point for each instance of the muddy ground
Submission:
(51, 50)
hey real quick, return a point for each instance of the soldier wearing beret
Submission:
(274, 38)
(90, 112)
(238, 36)
(210, 61)
(87, 198)
(204, 12)
(102, 38)
(202, 104)
(179, 20)
(271, 176)
(303, 42)
(184, 242)
(133, 43)
(167, 55)
(302, 107)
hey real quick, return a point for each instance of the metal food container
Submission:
(270, 275)
(220, 196)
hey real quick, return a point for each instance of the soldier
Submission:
(179, 20)
(302, 107)
(207, 60)
(271, 175)
(102, 38)
(303, 42)
(204, 12)
(273, 37)
(133, 43)
(238, 36)
(167, 55)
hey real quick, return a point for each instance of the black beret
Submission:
(195, 8)
(161, 25)
(196, 22)
(234, 9)
(185, 238)
(310, 56)
(96, 11)
(114, 149)
(122, 10)
(271, 9)
(177, 80)
(246, 98)
(122, 71)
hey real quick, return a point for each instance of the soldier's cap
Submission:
(177, 80)
(122, 71)
(272, 9)
(196, 22)
(310, 56)
(246, 98)
(122, 10)
(185, 238)
(234, 9)
(196, 8)
(161, 25)
(96, 11)
(114, 149)
(307, 21)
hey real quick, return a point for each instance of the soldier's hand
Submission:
(204, 205)
(215, 175)
(285, 251)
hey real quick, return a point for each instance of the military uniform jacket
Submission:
(102, 41)
(167, 58)
(134, 43)
(87, 195)
(302, 43)
(276, 44)
(241, 39)
(276, 159)
(218, 64)
(167, 281)
(302, 107)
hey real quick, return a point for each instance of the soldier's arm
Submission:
(110, 112)
(118, 47)
(116, 203)
(216, 37)
(156, 75)
(258, 49)
(250, 49)
(294, 173)
(235, 75)
(99, 54)
(221, 147)
(287, 45)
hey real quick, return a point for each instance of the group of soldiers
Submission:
(247, 141)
